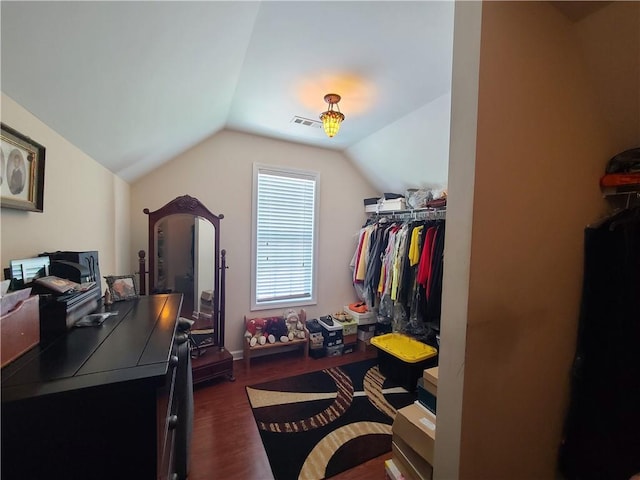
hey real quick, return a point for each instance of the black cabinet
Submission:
(102, 402)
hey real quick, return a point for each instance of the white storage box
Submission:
(373, 208)
(386, 206)
(362, 318)
(395, 204)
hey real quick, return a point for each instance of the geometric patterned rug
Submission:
(316, 425)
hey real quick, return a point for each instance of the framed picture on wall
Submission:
(21, 171)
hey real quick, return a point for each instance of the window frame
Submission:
(261, 168)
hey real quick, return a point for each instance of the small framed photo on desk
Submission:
(122, 287)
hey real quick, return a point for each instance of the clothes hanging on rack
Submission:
(398, 268)
(603, 420)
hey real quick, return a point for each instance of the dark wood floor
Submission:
(226, 443)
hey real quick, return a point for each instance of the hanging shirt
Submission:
(398, 260)
(361, 268)
(414, 248)
(425, 258)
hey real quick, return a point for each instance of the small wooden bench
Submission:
(302, 343)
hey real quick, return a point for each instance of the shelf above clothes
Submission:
(416, 214)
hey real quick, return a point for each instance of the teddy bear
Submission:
(276, 329)
(256, 331)
(295, 329)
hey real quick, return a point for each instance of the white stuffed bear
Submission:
(295, 328)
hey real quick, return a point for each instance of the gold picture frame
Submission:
(21, 171)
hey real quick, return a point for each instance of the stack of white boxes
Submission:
(414, 436)
(366, 326)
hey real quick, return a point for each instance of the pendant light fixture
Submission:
(331, 119)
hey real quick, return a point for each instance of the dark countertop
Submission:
(133, 345)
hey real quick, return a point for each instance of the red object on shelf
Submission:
(619, 179)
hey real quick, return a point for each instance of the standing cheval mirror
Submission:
(185, 257)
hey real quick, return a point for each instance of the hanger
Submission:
(628, 215)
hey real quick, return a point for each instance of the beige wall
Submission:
(610, 37)
(542, 144)
(219, 173)
(464, 99)
(85, 206)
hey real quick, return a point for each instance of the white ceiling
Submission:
(133, 84)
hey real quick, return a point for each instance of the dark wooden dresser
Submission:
(102, 402)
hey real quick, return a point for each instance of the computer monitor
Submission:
(27, 270)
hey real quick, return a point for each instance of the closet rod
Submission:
(417, 214)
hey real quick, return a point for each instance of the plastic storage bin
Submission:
(403, 359)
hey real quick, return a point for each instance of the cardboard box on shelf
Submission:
(348, 339)
(416, 426)
(425, 397)
(334, 351)
(392, 472)
(410, 464)
(365, 318)
(430, 376)
(364, 346)
(349, 348)
(332, 333)
(365, 336)
(349, 326)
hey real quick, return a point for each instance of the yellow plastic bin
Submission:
(403, 359)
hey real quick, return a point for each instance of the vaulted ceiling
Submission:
(133, 84)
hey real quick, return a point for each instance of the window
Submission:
(284, 237)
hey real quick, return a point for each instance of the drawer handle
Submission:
(174, 360)
(173, 422)
(181, 338)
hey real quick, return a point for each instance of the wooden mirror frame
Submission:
(189, 205)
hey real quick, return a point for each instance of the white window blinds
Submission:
(284, 226)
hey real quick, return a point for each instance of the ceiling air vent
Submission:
(306, 122)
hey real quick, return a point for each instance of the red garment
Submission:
(431, 257)
(424, 267)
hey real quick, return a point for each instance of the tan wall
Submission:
(219, 173)
(610, 38)
(85, 205)
(464, 98)
(542, 145)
